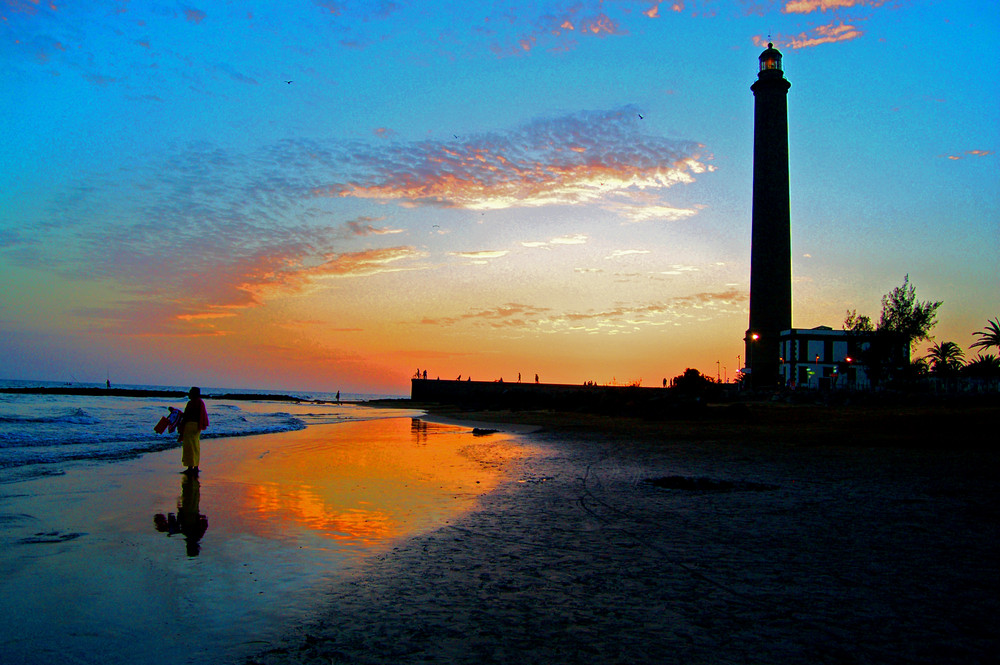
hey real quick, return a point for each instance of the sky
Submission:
(328, 195)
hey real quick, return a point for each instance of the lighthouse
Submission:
(770, 239)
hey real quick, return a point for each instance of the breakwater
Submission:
(532, 396)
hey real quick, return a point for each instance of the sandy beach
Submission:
(132, 562)
(797, 535)
(881, 547)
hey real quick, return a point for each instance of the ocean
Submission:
(41, 433)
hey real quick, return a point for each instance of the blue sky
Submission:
(484, 189)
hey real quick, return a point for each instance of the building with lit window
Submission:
(822, 358)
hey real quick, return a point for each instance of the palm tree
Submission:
(984, 365)
(991, 335)
(945, 358)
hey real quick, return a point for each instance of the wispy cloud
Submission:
(481, 257)
(363, 227)
(838, 31)
(618, 253)
(648, 213)
(969, 153)
(809, 6)
(509, 314)
(616, 319)
(572, 239)
(567, 160)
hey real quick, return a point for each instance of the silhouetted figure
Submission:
(664, 382)
(425, 375)
(107, 382)
(188, 521)
(194, 420)
(519, 377)
(536, 378)
(338, 397)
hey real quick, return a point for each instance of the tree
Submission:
(983, 366)
(691, 382)
(886, 346)
(858, 322)
(906, 316)
(945, 358)
(990, 336)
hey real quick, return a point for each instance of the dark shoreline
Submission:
(948, 425)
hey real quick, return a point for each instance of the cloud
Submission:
(616, 319)
(556, 161)
(575, 239)
(572, 239)
(822, 34)
(481, 257)
(809, 6)
(618, 253)
(194, 15)
(646, 213)
(362, 227)
(509, 314)
(364, 263)
(971, 153)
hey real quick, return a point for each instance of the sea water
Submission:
(41, 433)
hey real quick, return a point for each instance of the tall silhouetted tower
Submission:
(770, 243)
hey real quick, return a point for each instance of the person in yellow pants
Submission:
(194, 420)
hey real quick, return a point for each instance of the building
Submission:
(770, 244)
(822, 358)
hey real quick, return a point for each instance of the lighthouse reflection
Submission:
(188, 520)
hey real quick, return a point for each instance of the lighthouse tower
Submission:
(770, 242)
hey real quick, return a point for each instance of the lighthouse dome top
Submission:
(770, 59)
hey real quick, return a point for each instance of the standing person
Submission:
(194, 420)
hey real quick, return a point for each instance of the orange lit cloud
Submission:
(823, 34)
(573, 159)
(809, 6)
(601, 24)
(363, 264)
(970, 153)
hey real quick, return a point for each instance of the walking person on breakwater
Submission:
(194, 420)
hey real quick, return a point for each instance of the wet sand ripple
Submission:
(817, 554)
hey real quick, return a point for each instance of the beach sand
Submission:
(820, 535)
(824, 536)
(86, 576)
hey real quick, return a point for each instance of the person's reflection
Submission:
(418, 430)
(188, 521)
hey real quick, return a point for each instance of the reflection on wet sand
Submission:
(364, 484)
(418, 430)
(188, 520)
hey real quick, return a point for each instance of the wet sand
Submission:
(86, 576)
(819, 537)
